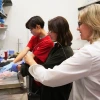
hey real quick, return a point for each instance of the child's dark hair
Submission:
(33, 21)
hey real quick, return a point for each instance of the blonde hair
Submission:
(91, 16)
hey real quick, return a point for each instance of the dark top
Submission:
(57, 55)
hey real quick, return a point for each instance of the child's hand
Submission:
(6, 67)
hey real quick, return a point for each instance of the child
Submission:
(40, 44)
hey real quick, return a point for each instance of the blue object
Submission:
(7, 67)
(1, 10)
(0, 4)
(14, 67)
(23, 61)
(11, 52)
(1, 58)
(2, 20)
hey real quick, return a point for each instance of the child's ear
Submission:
(38, 26)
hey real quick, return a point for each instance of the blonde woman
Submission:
(83, 68)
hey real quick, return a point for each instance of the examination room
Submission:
(49, 49)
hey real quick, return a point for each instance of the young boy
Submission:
(40, 44)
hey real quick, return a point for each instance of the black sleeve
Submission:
(24, 69)
(57, 56)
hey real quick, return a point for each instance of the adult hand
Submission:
(6, 67)
(29, 59)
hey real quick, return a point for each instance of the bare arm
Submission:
(21, 55)
(74, 68)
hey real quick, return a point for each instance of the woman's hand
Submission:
(29, 59)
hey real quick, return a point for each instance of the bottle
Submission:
(5, 55)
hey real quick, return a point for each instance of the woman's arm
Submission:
(74, 68)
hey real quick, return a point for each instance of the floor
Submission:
(17, 97)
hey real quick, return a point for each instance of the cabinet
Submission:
(5, 3)
(2, 14)
(3, 27)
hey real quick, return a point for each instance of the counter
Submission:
(12, 88)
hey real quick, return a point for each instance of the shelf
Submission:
(5, 3)
(2, 15)
(5, 27)
(96, 2)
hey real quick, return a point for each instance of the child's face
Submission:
(36, 31)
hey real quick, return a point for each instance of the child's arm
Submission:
(21, 55)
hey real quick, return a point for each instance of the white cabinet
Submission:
(5, 3)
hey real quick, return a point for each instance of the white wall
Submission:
(81, 2)
(22, 10)
(86, 2)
